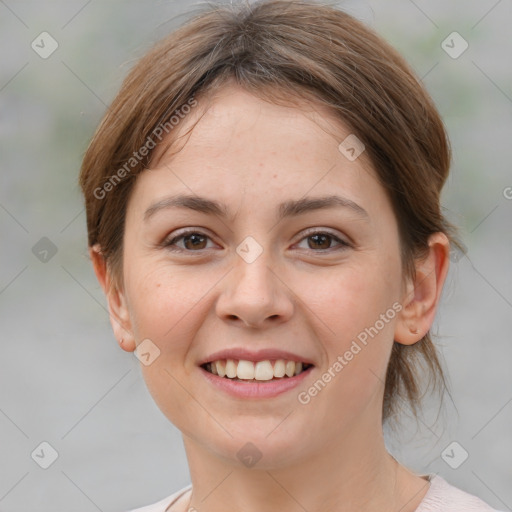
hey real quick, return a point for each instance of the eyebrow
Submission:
(286, 209)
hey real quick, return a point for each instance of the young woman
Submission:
(263, 211)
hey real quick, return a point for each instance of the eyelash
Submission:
(170, 243)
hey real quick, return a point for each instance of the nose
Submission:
(255, 296)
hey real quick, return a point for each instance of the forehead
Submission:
(273, 118)
(235, 143)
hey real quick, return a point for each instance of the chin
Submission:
(259, 447)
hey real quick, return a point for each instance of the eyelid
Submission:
(169, 240)
(342, 241)
(326, 231)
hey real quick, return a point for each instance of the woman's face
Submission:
(323, 284)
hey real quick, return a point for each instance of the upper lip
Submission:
(254, 356)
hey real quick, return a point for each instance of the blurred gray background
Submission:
(63, 378)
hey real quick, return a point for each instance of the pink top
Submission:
(440, 497)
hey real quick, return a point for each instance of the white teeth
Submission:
(221, 368)
(230, 369)
(279, 368)
(245, 370)
(261, 370)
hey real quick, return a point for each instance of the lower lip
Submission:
(263, 389)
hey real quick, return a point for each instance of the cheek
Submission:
(356, 298)
(152, 298)
(165, 303)
(357, 307)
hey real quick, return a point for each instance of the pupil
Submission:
(195, 239)
(324, 237)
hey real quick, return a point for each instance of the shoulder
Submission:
(163, 505)
(444, 497)
(441, 497)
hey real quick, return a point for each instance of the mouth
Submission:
(240, 370)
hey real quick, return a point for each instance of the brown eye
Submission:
(322, 241)
(192, 241)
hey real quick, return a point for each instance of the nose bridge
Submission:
(254, 293)
(253, 274)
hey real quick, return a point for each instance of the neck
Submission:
(354, 474)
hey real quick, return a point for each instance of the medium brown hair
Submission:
(302, 49)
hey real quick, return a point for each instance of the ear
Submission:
(422, 294)
(117, 308)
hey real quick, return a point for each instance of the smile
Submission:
(243, 370)
(264, 384)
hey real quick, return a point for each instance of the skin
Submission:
(302, 294)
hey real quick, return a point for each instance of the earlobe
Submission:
(117, 307)
(422, 294)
